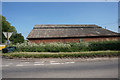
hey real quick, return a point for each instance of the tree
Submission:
(17, 38)
(6, 27)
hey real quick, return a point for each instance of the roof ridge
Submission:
(65, 25)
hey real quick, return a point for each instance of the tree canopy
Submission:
(6, 27)
(17, 38)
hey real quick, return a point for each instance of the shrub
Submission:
(67, 47)
(104, 45)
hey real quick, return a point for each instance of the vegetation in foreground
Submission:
(91, 54)
(67, 47)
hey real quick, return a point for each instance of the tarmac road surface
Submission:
(60, 68)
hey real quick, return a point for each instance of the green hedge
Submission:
(104, 45)
(68, 47)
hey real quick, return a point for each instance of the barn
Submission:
(46, 33)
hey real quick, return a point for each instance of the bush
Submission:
(67, 47)
(77, 47)
(104, 45)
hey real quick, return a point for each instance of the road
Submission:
(60, 68)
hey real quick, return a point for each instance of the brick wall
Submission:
(101, 39)
(72, 40)
(55, 40)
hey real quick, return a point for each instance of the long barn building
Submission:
(70, 33)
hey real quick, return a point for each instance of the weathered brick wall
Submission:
(73, 40)
(55, 40)
(101, 39)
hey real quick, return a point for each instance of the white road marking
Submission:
(62, 63)
(72, 62)
(69, 62)
(38, 64)
(42, 62)
(27, 62)
(5, 65)
(54, 63)
(19, 65)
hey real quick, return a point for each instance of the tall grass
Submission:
(91, 54)
(67, 47)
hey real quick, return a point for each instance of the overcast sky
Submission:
(24, 15)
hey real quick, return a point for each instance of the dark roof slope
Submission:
(55, 31)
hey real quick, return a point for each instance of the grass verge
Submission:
(89, 54)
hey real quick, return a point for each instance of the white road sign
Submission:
(8, 34)
(5, 34)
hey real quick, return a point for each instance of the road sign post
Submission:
(8, 35)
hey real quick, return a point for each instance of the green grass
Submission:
(63, 54)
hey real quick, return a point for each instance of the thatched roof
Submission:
(60, 30)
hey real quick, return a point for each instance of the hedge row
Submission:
(68, 47)
(65, 55)
(104, 45)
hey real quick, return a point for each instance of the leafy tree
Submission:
(6, 27)
(17, 38)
